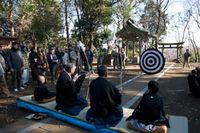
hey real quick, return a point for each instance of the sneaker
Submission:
(21, 88)
(16, 90)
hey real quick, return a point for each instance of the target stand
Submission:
(152, 61)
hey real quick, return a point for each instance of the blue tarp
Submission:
(64, 117)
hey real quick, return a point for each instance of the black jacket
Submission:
(66, 91)
(193, 84)
(150, 110)
(104, 97)
(33, 57)
(15, 59)
(41, 92)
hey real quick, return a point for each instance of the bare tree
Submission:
(191, 39)
(66, 19)
(188, 15)
(161, 9)
(195, 45)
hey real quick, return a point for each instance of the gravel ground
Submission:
(174, 91)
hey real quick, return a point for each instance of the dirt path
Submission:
(174, 90)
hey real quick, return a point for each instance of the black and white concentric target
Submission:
(152, 61)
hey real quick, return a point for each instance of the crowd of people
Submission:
(40, 63)
(119, 58)
(105, 102)
(105, 98)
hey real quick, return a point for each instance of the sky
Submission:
(174, 8)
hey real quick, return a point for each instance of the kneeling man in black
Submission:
(67, 89)
(42, 93)
(105, 101)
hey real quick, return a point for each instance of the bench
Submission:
(179, 124)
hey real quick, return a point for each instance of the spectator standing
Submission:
(186, 58)
(53, 62)
(72, 55)
(59, 53)
(33, 58)
(41, 62)
(4, 53)
(89, 55)
(3, 85)
(123, 57)
(116, 58)
(16, 65)
(65, 58)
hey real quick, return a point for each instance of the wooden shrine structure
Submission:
(137, 35)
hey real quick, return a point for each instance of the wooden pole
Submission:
(162, 49)
(177, 54)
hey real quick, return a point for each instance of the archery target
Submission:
(152, 61)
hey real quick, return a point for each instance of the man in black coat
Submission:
(193, 83)
(16, 66)
(149, 115)
(67, 89)
(105, 101)
(33, 57)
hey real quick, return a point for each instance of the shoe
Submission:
(24, 85)
(21, 88)
(16, 90)
(7, 96)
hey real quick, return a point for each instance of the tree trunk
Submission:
(77, 12)
(188, 20)
(91, 40)
(66, 20)
(195, 53)
(195, 45)
(10, 19)
(158, 24)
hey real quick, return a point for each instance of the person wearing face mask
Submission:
(67, 88)
(16, 66)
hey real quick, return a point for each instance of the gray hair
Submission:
(69, 66)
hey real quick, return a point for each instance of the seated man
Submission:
(41, 92)
(149, 115)
(67, 89)
(105, 101)
(193, 83)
